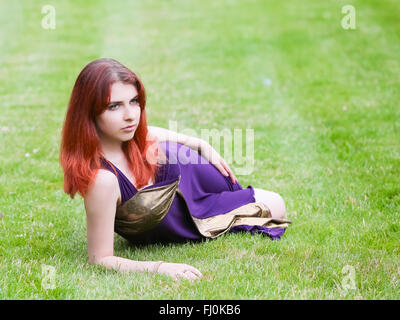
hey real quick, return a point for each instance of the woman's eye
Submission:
(112, 107)
(135, 101)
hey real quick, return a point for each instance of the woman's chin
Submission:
(128, 136)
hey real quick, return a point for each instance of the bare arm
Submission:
(197, 144)
(167, 135)
(100, 205)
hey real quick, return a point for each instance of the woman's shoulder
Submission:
(104, 184)
(105, 176)
(102, 196)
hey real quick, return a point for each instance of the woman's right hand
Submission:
(179, 270)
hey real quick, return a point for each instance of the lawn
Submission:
(323, 102)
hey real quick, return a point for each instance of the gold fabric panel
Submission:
(145, 209)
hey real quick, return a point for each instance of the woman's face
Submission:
(122, 111)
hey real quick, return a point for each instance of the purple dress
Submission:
(207, 193)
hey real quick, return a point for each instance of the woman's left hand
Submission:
(210, 154)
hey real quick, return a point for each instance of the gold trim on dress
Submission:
(253, 214)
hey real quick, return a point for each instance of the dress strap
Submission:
(111, 165)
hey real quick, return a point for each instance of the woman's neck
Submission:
(112, 151)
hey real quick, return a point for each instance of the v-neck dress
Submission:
(205, 190)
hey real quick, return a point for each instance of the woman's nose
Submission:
(131, 112)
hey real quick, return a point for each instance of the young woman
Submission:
(149, 184)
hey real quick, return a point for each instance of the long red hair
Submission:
(80, 152)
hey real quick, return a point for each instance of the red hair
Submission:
(80, 152)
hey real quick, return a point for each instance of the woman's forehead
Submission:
(122, 91)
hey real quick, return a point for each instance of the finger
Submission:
(226, 167)
(192, 271)
(185, 275)
(234, 179)
(221, 169)
(191, 275)
(178, 276)
(196, 272)
(232, 176)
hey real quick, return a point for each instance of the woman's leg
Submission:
(272, 200)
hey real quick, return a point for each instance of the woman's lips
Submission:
(129, 128)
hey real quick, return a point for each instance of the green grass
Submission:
(327, 138)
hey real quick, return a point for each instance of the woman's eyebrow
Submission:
(117, 102)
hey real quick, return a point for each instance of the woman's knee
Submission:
(272, 200)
